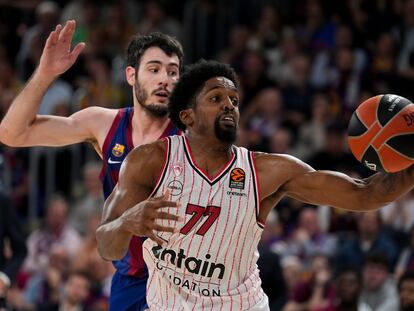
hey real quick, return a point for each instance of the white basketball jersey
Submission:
(211, 263)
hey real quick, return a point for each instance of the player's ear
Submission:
(130, 75)
(187, 117)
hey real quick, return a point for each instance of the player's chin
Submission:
(227, 134)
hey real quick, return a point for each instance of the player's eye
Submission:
(173, 73)
(235, 101)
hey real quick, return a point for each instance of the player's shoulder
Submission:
(148, 153)
(95, 115)
(145, 161)
(281, 162)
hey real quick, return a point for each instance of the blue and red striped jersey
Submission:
(117, 144)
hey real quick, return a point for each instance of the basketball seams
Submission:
(381, 127)
(357, 113)
(396, 151)
(393, 117)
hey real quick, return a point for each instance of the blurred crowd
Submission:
(304, 66)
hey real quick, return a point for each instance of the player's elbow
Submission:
(8, 138)
(104, 248)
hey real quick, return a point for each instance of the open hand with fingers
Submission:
(143, 219)
(57, 56)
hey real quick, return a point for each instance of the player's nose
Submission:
(228, 104)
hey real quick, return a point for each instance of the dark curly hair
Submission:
(190, 84)
(140, 43)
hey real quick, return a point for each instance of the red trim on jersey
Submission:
(257, 189)
(108, 140)
(136, 260)
(163, 171)
(129, 131)
(201, 171)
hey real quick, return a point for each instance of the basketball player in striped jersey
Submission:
(153, 67)
(205, 257)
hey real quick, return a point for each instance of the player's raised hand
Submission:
(57, 56)
(141, 220)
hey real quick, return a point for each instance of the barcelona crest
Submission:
(118, 150)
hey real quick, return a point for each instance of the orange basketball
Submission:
(381, 133)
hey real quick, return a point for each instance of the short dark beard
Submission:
(142, 96)
(226, 135)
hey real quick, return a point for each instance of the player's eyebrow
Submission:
(160, 63)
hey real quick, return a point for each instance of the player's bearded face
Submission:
(225, 133)
(141, 94)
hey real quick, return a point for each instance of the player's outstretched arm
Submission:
(128, 210)
(294, 178)
(21, 125)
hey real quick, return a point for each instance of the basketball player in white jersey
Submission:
(205, 257)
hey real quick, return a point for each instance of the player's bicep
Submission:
(134, 185)
(56, 131)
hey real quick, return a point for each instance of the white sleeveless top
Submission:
(211, 263)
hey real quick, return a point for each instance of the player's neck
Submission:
(212, 147)
(147, 128)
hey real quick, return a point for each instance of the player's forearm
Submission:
(383, 188)
(23, 110)
(113, 241)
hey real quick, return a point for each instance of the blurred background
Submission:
(304, 67)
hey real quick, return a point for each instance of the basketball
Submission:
(381, 133)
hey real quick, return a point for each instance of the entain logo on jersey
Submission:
(193, 265)
(237, 178)
(118, 150)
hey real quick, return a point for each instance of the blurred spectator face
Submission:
(77, 289)
(91, 178)
(59, 258)
(368, 224)
(309, 221)
(374, 275)
(154, 11)
(314, 11)
(385, 44)
(98, 68)
(253, 65)
(239, 36)
(344, 37)
(270, 101)
(154, 80)
(345, 60)
(348, 287)
(290, 45)
(292, 271)
(56, 214)
(268, 19)
(335, 141)
(320, 107)
(281, 141)
(319, 263)
(406, 293)
(47, 14)
(300, 67)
